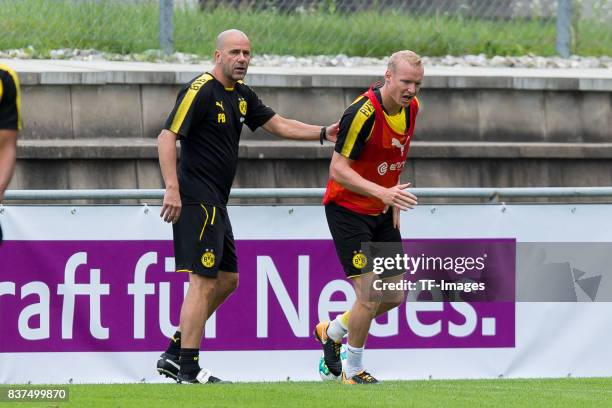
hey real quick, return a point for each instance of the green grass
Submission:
(569, 392)
(122, 27)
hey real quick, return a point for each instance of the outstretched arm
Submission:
(296, 130)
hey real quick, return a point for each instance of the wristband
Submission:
(323, 134)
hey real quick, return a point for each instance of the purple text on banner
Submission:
(125, 296)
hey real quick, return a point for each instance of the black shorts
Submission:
(350, 230)
(203, 241)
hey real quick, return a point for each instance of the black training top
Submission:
(208, 119)
(10, 99)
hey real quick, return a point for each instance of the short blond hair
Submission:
(408, 56)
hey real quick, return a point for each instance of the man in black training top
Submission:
(10, 125)
(207, 119)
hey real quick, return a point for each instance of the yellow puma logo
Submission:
(220, 104)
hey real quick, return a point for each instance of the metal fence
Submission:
(490, 194)
(311, 27)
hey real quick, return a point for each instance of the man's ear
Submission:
(387, 75)
(217, 55)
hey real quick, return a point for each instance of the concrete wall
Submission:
(95, 126)
(122, 164)
(137, 111)
(496, 105)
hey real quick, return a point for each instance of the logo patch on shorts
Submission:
(208, 259)
(359, 260)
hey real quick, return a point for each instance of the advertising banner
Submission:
(99, 282)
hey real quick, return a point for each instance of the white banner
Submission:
(95, 284)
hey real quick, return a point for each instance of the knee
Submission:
(230, 283)
(202, 285)
(369, 306)
(390, 305)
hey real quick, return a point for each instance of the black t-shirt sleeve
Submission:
(10, 113)
(355, 128)
(257, 112)
(190, 106)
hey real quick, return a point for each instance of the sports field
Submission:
(567, 392)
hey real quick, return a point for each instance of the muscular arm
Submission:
(296, 130)
(8, 154)
(166, 147)
(340, 170)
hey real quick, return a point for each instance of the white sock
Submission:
(336, 331)
(354, 362)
